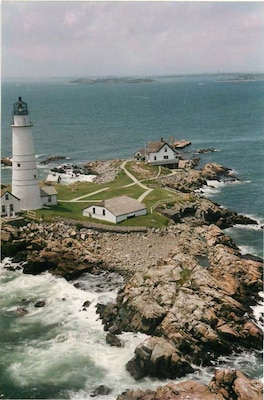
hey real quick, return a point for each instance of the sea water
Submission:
(59, 351)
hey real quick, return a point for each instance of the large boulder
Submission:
(158, 357)
(214, 171)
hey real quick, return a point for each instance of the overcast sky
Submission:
(94, 38)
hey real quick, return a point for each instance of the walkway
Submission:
(135, 182)
(80, 199)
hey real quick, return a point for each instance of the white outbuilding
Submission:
(48, 195)
(116, 209)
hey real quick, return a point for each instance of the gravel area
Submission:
(134, 251)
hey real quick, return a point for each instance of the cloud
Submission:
(94, 38)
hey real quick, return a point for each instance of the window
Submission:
(6, 196)
(35, 176)
(155, 158)
(93, 210)
(165, 149)
(166, 157)
(18, 164)
(103, 211)
(3, 209)
(12, 207)
(49, 199)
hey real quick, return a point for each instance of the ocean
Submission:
(59, 351)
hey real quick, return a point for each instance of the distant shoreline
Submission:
(111, 80)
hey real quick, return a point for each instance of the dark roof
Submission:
(154, 147)
(5, 190)
(141, 151)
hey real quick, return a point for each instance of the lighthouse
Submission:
(25, 185)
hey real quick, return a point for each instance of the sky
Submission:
(130, 38)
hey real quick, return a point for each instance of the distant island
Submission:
(244, 78)
(111, 80)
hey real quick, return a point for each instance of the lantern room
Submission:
(20, 107)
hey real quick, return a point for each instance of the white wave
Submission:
(6, 166)
(247, 250)
(62, 336)
(250, 227)
(40, 155)
(245, 361)
(213, 187)
(259, 311)
(62, 344)
(42, 166)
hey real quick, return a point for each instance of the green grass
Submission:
(69, 192)
(133, 191)
(73, 210)
(118, 187)
(64, 210)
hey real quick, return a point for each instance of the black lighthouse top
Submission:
(20, 107)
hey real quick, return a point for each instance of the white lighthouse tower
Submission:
(25, 183)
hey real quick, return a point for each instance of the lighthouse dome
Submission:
(20, 107)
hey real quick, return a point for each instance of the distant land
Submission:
(244, 78)
(111, 80)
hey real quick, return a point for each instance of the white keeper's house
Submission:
(10, 204)
(116, 209)
(158, 153)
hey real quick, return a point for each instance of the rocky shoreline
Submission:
(187, 286)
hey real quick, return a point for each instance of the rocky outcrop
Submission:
(113, 340)
(184, 180)
(213, 171)
(51, 159)
(56, 247)
(7, 162)
(198, 300)
(106, 171)
(101, 390)
(187, 285)
(188, 180)
(67, 251)
(225, 385)
(203, 211)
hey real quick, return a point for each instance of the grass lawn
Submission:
(122, 185)
(65, 210)
(69, 192)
